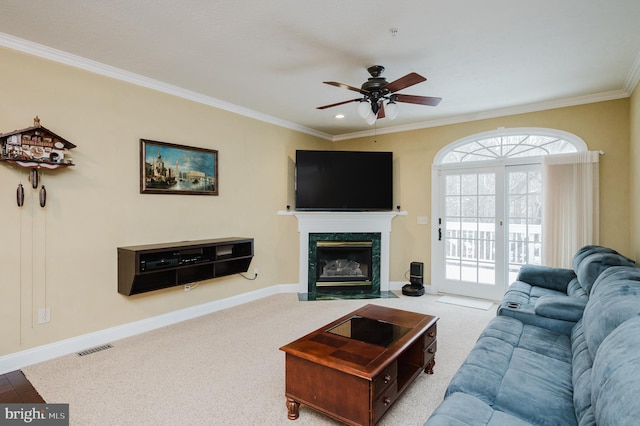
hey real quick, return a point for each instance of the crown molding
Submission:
(35, 49)
(55, 55)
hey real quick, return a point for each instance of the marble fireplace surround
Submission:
(344, 222)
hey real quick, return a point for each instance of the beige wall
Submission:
(64, 256)
(634, 193)
(603, 126)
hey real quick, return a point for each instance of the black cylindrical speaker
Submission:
(416, 273)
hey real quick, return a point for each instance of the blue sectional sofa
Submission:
(530, 371)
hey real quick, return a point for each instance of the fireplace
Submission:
(311, 224)
(343, 264)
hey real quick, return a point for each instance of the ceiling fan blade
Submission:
(381, 110)
(420, 100)
(346, 86)
(404, 82)
(339, 103)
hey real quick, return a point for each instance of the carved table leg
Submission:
(292, 408)
(430, 365)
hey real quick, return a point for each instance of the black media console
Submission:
(157, 266)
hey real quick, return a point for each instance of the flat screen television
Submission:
(344, 180)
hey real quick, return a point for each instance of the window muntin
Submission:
(507, 146)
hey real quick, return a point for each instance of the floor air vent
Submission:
(94, 350)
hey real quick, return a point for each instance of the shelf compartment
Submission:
(194, 273)
(151, 282)
(233, 266)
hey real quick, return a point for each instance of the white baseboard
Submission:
(18, 360)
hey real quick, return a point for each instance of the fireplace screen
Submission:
(344, 263)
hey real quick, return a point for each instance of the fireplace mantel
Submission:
(311, 222)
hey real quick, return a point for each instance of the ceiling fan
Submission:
(376, 90)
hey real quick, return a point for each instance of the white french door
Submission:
(488, 224)
(469, 232)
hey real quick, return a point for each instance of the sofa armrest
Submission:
(546, 276)
(560, 307)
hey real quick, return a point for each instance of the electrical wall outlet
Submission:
(44, 315)
(255, 272)
(187, 287)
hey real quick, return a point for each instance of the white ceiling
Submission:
(268, 59)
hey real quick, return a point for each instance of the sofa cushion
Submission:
(617, 273)
(510, 354)
(522, 292)
(614, 302)
(589, 250)
(546, 277)
(564, 308)
(593, 265)
(616, 377)
(460, 409)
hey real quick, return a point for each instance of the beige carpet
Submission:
(226, 369)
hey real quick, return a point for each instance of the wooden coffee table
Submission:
(354, 368)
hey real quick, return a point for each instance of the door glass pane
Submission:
(487, 250)
(525, 219)
(452, 186)
(470, 234)
(469, 184)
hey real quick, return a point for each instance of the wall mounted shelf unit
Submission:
(156, 266)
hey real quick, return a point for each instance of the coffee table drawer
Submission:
(430, 351)
(430, 336)
(382, 403)
(382, 381)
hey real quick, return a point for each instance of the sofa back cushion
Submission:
(615, 379)
(613, 301)
(591, 266)
(589, 250)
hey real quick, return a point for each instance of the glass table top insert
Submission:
(368, 330)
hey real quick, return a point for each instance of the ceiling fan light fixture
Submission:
(391, 110)
(371, 118)
(364, 109)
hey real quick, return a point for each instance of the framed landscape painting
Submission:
(167, 168)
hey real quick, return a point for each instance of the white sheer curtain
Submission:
(570, 206)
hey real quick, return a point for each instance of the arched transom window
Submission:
(511, 143)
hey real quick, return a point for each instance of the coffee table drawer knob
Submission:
(387, 379)
(387, 401)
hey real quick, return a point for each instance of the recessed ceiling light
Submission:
(339, 116)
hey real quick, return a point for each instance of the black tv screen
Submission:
(344, 180)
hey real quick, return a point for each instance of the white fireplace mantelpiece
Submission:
(333, 222)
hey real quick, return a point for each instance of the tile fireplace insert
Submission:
(344, 265)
